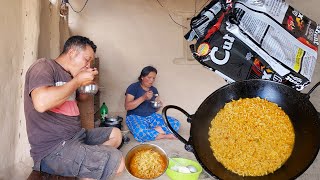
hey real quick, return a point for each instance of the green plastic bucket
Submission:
(174, 175)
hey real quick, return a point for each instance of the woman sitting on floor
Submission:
(142, 120)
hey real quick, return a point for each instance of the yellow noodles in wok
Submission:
(251, 137)
(147, 164)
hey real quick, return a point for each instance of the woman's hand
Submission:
(148, 95)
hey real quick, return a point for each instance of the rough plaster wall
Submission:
(10, 69)
(64, 32)
(44, 39)
(49, 39)
(21, 23)
(30, 21)
(41, 39)
(133, 34)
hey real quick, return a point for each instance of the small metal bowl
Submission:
(89, 89)
(156, 104)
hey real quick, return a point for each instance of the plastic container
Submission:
(174, 175)
(103, 112)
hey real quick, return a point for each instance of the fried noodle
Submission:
(251, 137)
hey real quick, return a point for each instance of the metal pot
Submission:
(112, 121)
(304, 118)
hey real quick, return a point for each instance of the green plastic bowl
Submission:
(174, 175)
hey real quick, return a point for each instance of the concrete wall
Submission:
(11, 50)
(21, 44)
(30, 26)
(133, 34)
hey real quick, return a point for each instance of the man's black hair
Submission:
(78, 42)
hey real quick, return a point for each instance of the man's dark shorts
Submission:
(83, 156)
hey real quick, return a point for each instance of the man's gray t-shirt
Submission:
(46, 130)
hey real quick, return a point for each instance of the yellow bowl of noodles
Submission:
(146, 161)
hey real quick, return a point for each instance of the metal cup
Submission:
(91, 89)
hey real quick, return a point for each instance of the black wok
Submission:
(302, 113)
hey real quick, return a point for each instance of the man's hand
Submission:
(86, 76)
